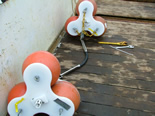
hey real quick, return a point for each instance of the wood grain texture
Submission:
(126, 9)
(110, 61)
(106, 110)
(118, 81)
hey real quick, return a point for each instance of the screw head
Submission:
(37, 78)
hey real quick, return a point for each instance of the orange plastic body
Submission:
(47, 59)
(92, 1)
(17, 91)
(66, 89)
(60, 88)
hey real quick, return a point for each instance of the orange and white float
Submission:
(85, 22)
(36, 95)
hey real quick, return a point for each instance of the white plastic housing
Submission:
(90, 22)
(37, 91)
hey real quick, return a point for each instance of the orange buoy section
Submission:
(73, 18)
(17, 91)
(92, 1)
(66, 89)
(100, 19)
(47, 59)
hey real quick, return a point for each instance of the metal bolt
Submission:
(75, 29)
(37, 78)
(85, 10)
(38, 103)
(96, 29)
(60, 111)
(20, 110)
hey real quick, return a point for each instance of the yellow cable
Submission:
(83, 27)
(16, 104)
(93, 31)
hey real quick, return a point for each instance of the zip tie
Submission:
(16, 104)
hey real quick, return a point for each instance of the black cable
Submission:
(83, 62)
(76, 67)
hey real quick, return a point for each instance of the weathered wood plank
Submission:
(120, 102)
(136, 94)
(107, 64)
(138, 51)
(93, 47)
(112, 79)
(128, 9)
(105, 110)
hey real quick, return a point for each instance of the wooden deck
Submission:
(113, 83)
